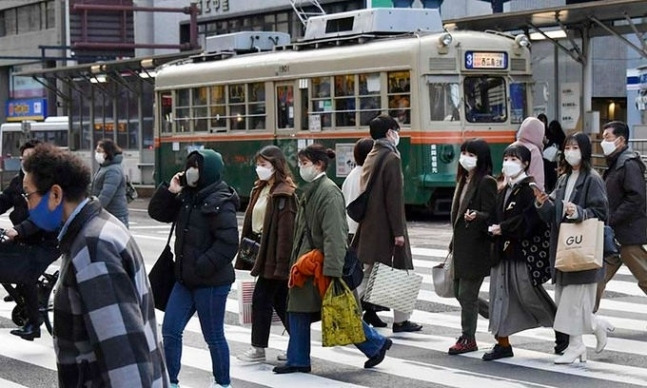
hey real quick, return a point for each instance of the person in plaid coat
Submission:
(105, 333)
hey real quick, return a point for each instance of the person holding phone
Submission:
(515, 304)
(472, 206)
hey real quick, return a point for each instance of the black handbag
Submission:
(356, 210)
(536, 252)
(162, 275)
(248, 251)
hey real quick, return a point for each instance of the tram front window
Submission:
(485, 99)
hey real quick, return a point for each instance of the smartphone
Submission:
(535, 187)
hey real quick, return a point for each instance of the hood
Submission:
(628, 154)
(211, 167)
(532, 131)
(216, 194)
(117, 159)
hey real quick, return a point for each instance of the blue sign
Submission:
(486, 60)
(26, 109)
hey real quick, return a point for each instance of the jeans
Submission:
(269, 294)
(210, 305)
(467, 293)
(299, 345)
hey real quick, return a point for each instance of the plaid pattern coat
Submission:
(105, 333)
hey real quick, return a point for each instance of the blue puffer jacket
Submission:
(109, 185)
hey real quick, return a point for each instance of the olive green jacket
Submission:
(323, 206)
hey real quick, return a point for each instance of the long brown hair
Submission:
(275, 156)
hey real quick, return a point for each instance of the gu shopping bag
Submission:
(580, 246)
(341, 318)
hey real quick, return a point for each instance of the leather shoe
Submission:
(27, 332)
(406, 326)
(498, 352)
(373, 319)
(379, 357)
(284, 369)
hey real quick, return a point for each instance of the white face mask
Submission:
(396, 138)
(573, 157)
(511, 169)
(100, 157)
(264, 173)
(608, 147)
(308, 173)
(192, 175)
(468, 162)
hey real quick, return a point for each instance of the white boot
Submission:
(602, 326)
(575, 350)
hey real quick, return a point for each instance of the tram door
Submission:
(284, 106)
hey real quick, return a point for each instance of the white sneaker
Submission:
(254, 354)
(282, 356)
(216, 385)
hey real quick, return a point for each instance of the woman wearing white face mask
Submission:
(269, 221)
(320, 226)
(109, 182)
(515, 304)
(579, 194)
(472, 207)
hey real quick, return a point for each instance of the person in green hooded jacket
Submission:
(203, 208)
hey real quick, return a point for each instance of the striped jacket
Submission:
(105, 333)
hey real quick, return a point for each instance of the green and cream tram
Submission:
(442, 87)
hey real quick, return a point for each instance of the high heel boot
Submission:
(575, 350)
(602, 326)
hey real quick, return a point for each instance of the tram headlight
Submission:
(445, 39)
(522, 40)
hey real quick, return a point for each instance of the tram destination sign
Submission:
(486, 60)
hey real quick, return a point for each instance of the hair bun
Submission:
(330, 153)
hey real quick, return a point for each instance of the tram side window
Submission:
(444, 102)
(257, 105)
(400, 96)
(321, 101)
(345, 101)
(485, 99)
(183, 110)
(237, 108)
(200, 110)
(218, 109)
(518, 103)
(166, 112)
(285, 106)
(369, 97)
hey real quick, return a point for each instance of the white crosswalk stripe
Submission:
(416, 359)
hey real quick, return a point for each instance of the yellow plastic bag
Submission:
(341, 318)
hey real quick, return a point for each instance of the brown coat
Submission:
(385, 217)
(273, 260)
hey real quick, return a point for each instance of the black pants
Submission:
(269, 294)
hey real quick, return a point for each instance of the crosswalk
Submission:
(415, 360)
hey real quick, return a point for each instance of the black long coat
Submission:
(471, 244)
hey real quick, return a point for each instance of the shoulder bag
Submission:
(443, 277)
(356, 210)
(162, 275)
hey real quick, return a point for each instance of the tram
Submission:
(442, 87)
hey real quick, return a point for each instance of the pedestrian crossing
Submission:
(415, 360)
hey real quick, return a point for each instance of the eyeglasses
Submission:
(26, 195)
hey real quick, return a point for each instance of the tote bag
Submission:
(393, 288)
(162, 275)
(341, 318)
(580, 246)
(443, 277)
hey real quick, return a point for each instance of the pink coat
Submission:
(531, 135)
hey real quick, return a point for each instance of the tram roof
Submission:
(570, 16)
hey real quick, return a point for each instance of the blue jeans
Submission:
(210, 304)
(299, 344)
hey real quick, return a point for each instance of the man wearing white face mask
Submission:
(625, 182)
(382, 235)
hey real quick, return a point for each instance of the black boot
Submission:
(561, 342)
(371, 317)
(27, 332)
